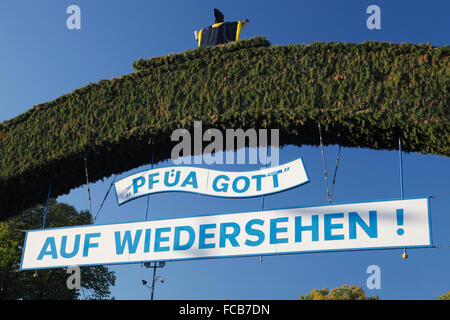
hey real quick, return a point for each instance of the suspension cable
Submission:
(148, 197)
(335, 172)
(329, 194)
(46, 206)
(104, 199)
(324, 162)
(262, 197)
(88, 186)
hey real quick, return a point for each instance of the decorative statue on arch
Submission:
(221, 32)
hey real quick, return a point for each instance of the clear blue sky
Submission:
(40, 60)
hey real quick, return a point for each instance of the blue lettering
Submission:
(224, 186)
(254, 232)
(203, 236)
(76, 247)
(49, 242)
(231, 236)
(137, 183)
(159, 239)
(314, 228)
(275, 177)
(246, 184)
(191, 179)
(258, 178)
(151, 182)
(370, 230)
(147, 240)
(329, 226)
(176, 241)
(274, 230)
(132, 244)
(88, 244)
(166, 178)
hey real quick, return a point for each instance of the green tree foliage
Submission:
(364, 95)
(344, 293)
(445, 296)
(46, 284)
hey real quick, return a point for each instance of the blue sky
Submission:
(40, 60)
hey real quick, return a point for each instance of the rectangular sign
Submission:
(371, 225)
(212, 182)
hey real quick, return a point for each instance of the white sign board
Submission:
(212, 182)
(357, 226)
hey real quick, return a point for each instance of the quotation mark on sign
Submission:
(374, 20)
(74, 20)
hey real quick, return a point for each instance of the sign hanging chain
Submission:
(335, 172)
(148, 197)
(267, 155)
(88, 186)
(45, 219)
(104, 199)
(324, 162)
(46, 205)
(262, 197)
(400, 160)
(329, 194)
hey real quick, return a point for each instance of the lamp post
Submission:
(153, 265)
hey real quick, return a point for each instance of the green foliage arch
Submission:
(364, 95)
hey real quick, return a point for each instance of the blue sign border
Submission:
(209, 195)
(246, 255)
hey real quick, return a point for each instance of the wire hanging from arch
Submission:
(35, 275)
(104, 199)
(335, 172)
(329, 193)
(88, 186)
(46, 206)
(262, 197)
(148, 197)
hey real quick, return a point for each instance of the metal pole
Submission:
(154, 280)
(401, 167)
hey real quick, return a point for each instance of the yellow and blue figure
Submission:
(220, 32)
